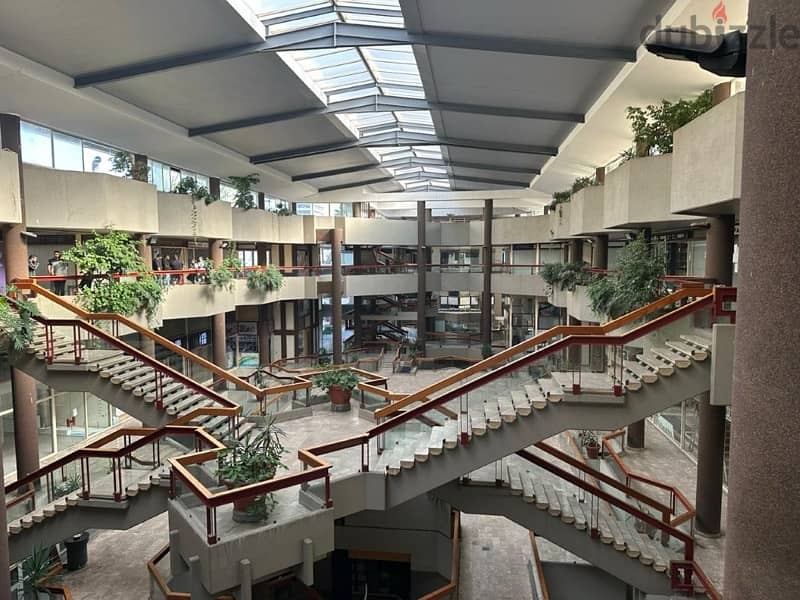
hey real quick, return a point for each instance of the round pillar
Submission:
(337, 289)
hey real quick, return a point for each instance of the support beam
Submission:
(218, 331)
(403, 139)
(489, 181)
(337, 286)
(355, 184)
(486, 300)
(352, 35)
(384, 103)
(422, 274)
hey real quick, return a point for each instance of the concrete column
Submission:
(764, 487)
(575, 251)
(264, 334)
(140, 170)
(261, 201)
(5, 579)
(600, 175)
(565, 253)
(422, 272)
(245, 580)
(213, 187)
(428, 215)
(337, 287)
(261, 253)
(218, 334)
(711, 430)
(486, 301)
(357, 209)
(600, 252)
(196, 589)
(15, 252)
(636, 431)
(176, 564)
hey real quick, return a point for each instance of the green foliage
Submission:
(561, 198)
(323, 358)
(69, 485)
(588, 439)
(265, 280)
(344, 378)
(188, 185)
(654, 125)
(244, 191)
(566, 277)
(282, 210)
(124, 162)
(109, 253)
(106, 252)
(577, 185)
(37, 566)
(17, 323)
(637, 281)
(252, 459)
(222, 275)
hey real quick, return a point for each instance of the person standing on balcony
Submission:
(58, 268)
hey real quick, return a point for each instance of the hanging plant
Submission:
(100, 257)
(266, 280)
(654, 126)
(565, 277)
(244, 191)
(17, 323)
(188, 185)
(125, 163)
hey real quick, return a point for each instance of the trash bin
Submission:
(77, 555)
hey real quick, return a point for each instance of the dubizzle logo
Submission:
(719, 13)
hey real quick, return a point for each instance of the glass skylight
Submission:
(349, 73)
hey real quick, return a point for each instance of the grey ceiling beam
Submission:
(383, 103)
(404, 139)
(488, 181)
(355, 184)
(352, 35)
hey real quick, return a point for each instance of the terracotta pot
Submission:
(340, 398)
(593, 451)
(243, 509)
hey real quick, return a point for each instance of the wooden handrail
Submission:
(527, 345)
(32, 286)
(539, 570)
(162, 584)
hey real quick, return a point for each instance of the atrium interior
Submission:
(399, 299)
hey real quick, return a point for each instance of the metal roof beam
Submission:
(404, 139)
(488, 181)
(346, 186)
(353, 35)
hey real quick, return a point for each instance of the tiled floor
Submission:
(495, 551)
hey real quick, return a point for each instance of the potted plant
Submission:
(36, 568)
(339, 384)
(250, 460)
(589, 441)
(17, 323)
(67, 486)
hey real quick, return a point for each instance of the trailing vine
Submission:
(99, 259)
(566, 277)
(244, 191)
(188, 185)
(266, 280)
(221, 276)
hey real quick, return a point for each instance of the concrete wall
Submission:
(560, 222)
(578, 306)
(566, 581)
(190, 301)
(707, 160)
(71, 200)
(521, 230)
(376, 285)
(639, 193)
(214, 220)
(458, 234)
(586, 211)
(519, 285)
(10, 211)
(375, 232)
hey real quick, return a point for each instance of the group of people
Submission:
(56, 267)
(173, 263)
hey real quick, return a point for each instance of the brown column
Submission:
(600, 252)
(213, 187)
(636, 431)
(261, 200)
(422, 273)
(764, 486)
(336, 293)
(565, 253)
(5, 580)
(15, 251)
(218, 334)
(140, 170)
(486, 300)
(600, 175)
(264, 334)
(145, 251)
(261, 254)
(575, 251)
(711, 429)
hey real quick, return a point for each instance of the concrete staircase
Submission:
(119, 378)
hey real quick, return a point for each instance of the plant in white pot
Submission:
(339, 384)
(251, 460)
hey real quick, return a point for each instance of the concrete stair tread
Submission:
(492, 412)
(136, 382)
(421, 451)
(577, 511)
(245, 429)
(688, 350)
(644, 373)
(185, 404)
(477, 422)
(528, 487)
(553, 505)
(540, 494)
(567, 514)
(122, 367)
(552, 389)
(671, 357)
(514, 480)
(659, 366)
(450, 433)
(110, 362)
(408, 450)
(201, 404)
(535, 395)
(507, 411)
(167, 390)
(436, 440)
(631, 542)
(698, 339)
(131, 375)
(520, 403)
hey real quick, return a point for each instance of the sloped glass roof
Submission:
(349, 73)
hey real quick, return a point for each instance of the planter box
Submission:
(586, 211)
